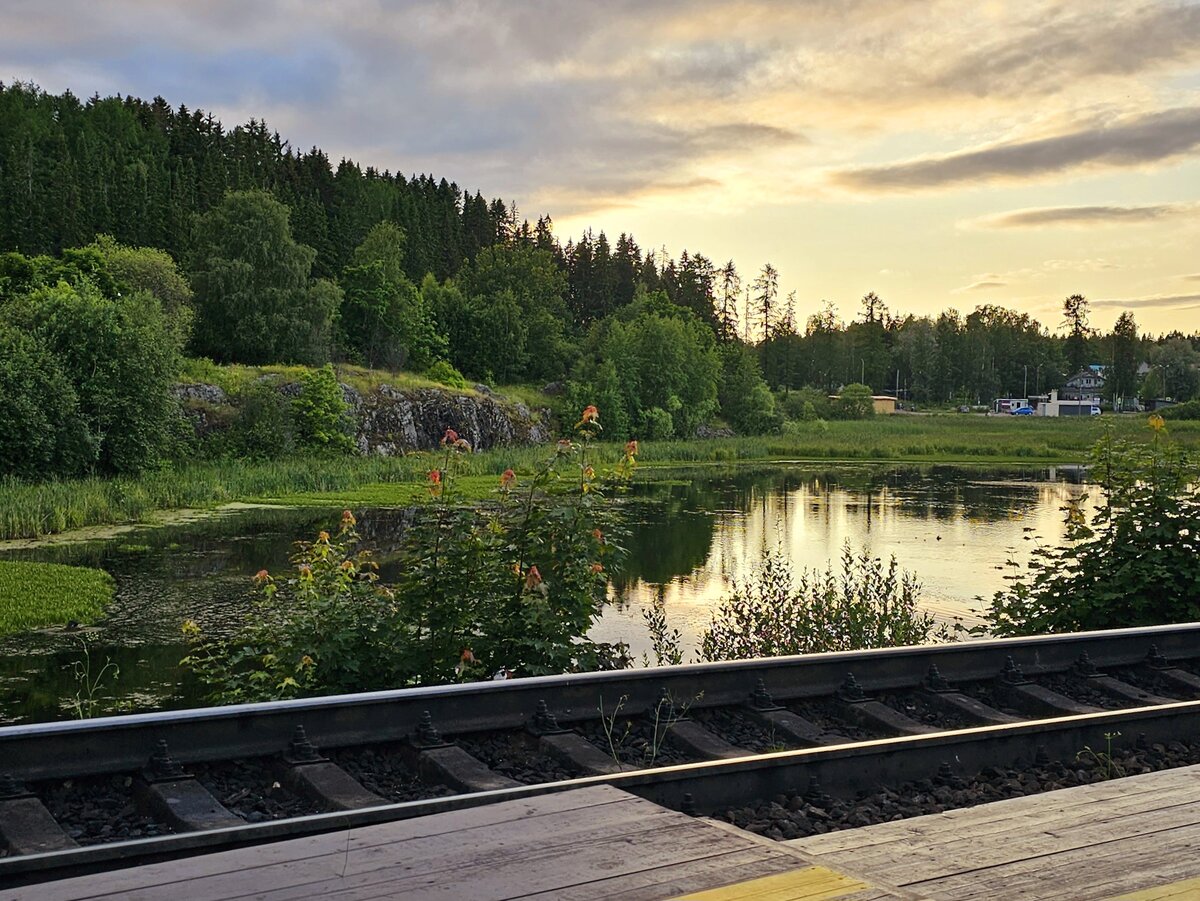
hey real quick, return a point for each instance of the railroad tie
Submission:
(26, 826)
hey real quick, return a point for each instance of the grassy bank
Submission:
(32, 510)
(43, 594)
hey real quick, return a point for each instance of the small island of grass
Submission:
(43, 594)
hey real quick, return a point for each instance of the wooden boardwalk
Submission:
(594, 843)
(1136, 838)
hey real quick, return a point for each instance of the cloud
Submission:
(984, 285)
(1191, 278)
(1133, 141)
(1086, 216)
(1178, 301)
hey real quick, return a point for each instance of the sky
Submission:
(942, 153)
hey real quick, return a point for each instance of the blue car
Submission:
(1022, 411)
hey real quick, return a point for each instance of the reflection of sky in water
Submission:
(955, 531)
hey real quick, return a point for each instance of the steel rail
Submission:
(123, 743)
(842, 771)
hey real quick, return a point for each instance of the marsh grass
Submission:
(33, 510)
(42, 594)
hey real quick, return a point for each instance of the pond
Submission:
(689, 539)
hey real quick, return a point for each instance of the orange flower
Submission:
(435, 476)
(462, 444)
(1156, 422)
(305, 571)
(598, 535)
(631, 448)
(597, 568)
(450, 437)
(589, 473)
(533, 578)
(467, 656)
(348, 520)
(590, 414)
(322, 537)
(507, 478)
(261, 576)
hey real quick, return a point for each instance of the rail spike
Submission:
(1042, 757)
(815, 794)
(300, 749)
(162, 766)
(760, 698)
(427, 734)
(10, 787)
(850, 690)
(1012, 673)
(1084, 666)
(544, 722)
(935, 681)
(688, 805)
(945, 776)
(1155, 660)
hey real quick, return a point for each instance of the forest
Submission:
(134, 235)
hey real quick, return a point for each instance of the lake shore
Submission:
(34, 511)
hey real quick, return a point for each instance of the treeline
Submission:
(181, 238)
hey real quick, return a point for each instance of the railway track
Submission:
(82, 796)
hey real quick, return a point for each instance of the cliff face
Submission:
(390, 421)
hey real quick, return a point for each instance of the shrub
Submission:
(1137, 562)
(263, 426)
(321, 413)
(444, 373)
(1188, 410)
(513, 586)
(657, 424)
(854, 403)
(775, 612)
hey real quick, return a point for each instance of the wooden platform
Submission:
(594, 843)
(1135, 838)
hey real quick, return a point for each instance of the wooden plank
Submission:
(439, 855)
(329, 845)
(1081, 873)
(525, 870)
(1167, 784)
(667, 882)
(1188, 888)
(1025, 837)
(807, 884)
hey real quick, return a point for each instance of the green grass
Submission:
(42, 594)
(33, 510)
(232, 378)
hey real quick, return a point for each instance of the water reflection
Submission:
(688, 540)
(955, 528)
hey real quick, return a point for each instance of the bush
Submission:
(854, 403)
(444, 373)
(514, 586)
(1137, 563)
(121, 358)
(1188, 410)
(805, 404)
(657, 424)
(321, 414)
(263, 427)
(42, 431)
(746, 401)
(776, 613)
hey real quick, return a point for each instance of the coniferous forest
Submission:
(172, 236)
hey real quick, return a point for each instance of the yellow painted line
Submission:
(808, 884)
(1188, 889)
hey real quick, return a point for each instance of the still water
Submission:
(689, 540)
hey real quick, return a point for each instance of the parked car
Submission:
(1022, 411)
(1095, 411)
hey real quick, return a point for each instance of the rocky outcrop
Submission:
(391, 421)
